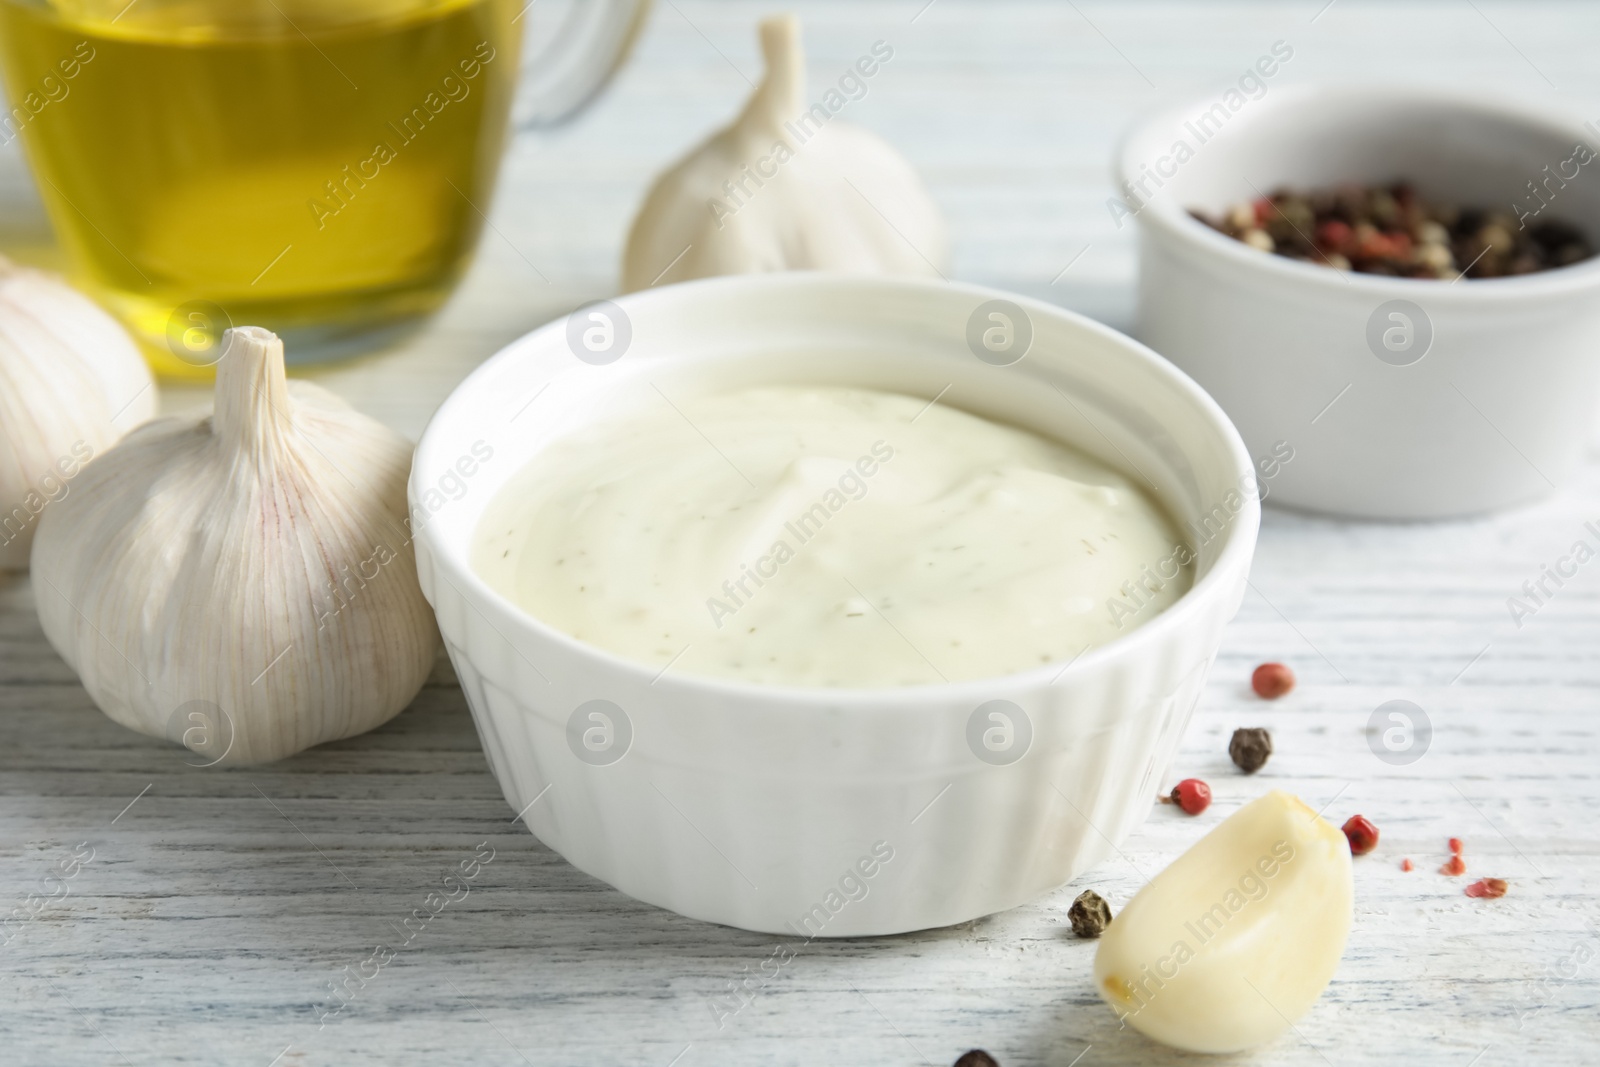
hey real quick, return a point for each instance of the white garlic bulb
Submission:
(1235, 940)
(243, 582)
(72, 382)
(788, 187)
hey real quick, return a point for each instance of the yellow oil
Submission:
(314, 166)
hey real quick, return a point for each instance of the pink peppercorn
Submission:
(1363, 836)
(1492, 888)
(1334, 235)
(1272, 680)
(1192, 795)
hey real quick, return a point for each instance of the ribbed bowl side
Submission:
(761, 827)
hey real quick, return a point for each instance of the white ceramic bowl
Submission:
(1494, 413)
(830, 811)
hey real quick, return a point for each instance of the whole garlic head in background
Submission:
(72, 382)
(253, 564)
(787, 187)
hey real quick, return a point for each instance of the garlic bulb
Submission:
(1235, 940)
(243, 582)
(788, 187)
(72, 382)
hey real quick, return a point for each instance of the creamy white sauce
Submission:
(818, 536)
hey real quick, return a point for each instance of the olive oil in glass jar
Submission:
(318, 167)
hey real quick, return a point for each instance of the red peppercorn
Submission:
(1373, 246)
(1455, 846)
(1456, 866)
(1333, 235)
(1363, 836)
(1407, 865)
(1272, 680)
(1493, 888)
(1192, 795)
(1385, 246)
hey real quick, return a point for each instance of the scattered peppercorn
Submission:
(1272, 680)
(1390, 229)
(1250, 747)
(1192, 795)
(1492, 888)
(1362, 834)
(1407, 865)
(1456, 865)
(1090, 914)
(977, 1058)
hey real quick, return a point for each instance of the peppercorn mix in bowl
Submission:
(1456, 373)
(1391, 229)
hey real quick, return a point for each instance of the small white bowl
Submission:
(1494, 412)
(830, 812)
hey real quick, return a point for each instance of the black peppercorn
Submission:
(1090, 914)
(1250, 747)
(977, 1058)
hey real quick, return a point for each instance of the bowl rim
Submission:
(1233, 557)
(1163, 213)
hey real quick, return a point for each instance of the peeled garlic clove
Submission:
(72, 382)
(788, 186)
(243, 582)
(1236, 939)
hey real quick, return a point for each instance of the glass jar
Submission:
(319, 167)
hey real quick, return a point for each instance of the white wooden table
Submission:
(218, 907)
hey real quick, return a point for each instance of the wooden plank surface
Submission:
(218, 906)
